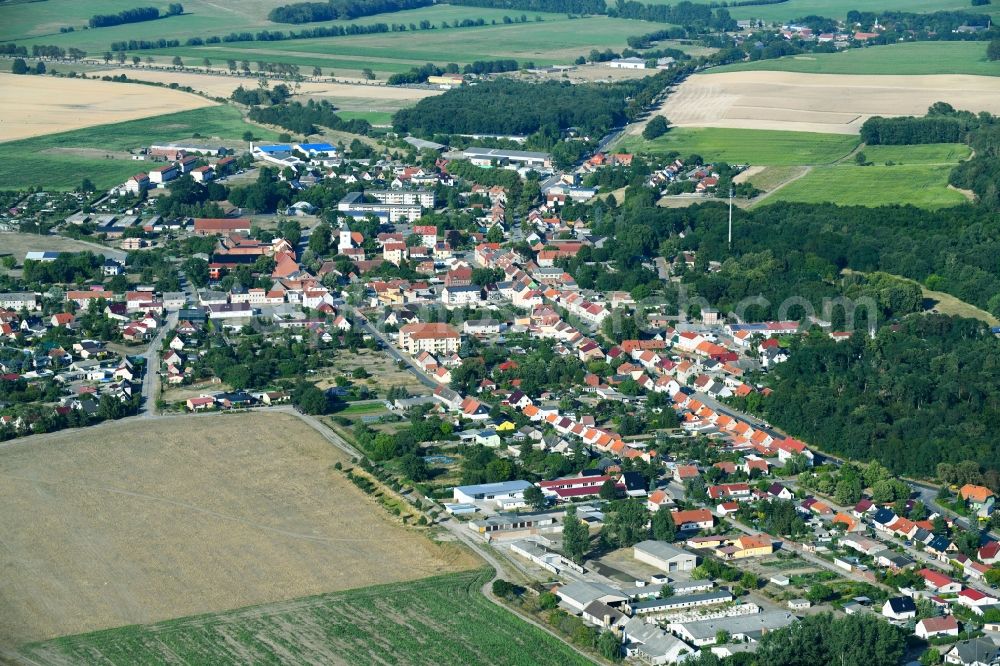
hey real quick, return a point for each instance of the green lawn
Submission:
(930, 153)
(48, 161)
(736, 146)
(374, 117)
(911, 58)
(924, 186)
(438, 621)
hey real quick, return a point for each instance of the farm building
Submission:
(664, 556)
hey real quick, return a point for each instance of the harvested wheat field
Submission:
(223, 85)
(38, 105)
(156, 519)
(828, 103)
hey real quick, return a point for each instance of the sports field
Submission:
(831, 103)
(151, 520)
(61, 161)
(37, 105)
(913, 58)
(438, 621)
(924, 186)
(737, 146)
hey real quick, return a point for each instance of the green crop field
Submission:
(553, 40)
(911, 58)
(438, 621)
(738, 146)
(61, 161)
(931, 153)
(924, 186)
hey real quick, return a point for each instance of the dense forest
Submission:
(304, 118)
(922, 393)
(951, 250)
(518, 107)
(310, 12)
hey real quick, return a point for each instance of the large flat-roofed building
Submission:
(665, 556)
(490, 491)
(423, 198)
(739, 627)
(487, 156)
(355, 205)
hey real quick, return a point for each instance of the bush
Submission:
(19, 66)
(502, 588)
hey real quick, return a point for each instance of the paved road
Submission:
(394, 353)
(151, 378)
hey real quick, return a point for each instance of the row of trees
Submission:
(134, 15)
(332, 10)
(554, 6)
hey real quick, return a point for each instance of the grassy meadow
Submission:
(437, 621)
(930, 153)
(910, 58)
(921, 185)
(739, 146)
(61, 161)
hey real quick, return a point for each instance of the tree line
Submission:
(318, 32)
(699, 17)
(134, 15)
(553, 6)
(422, 73)
(311, 12)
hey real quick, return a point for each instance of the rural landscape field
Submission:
(160, 519)
(499, 332)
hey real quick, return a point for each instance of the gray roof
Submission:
(740, 624)
(473, 151)
(421, 144)
(655, 642)
(977, 651)
(662, 550)
(584, 593)
(717, 596)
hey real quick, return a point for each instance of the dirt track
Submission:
(150, 520)
(833, 103)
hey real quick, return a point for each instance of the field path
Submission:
(763, 197)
